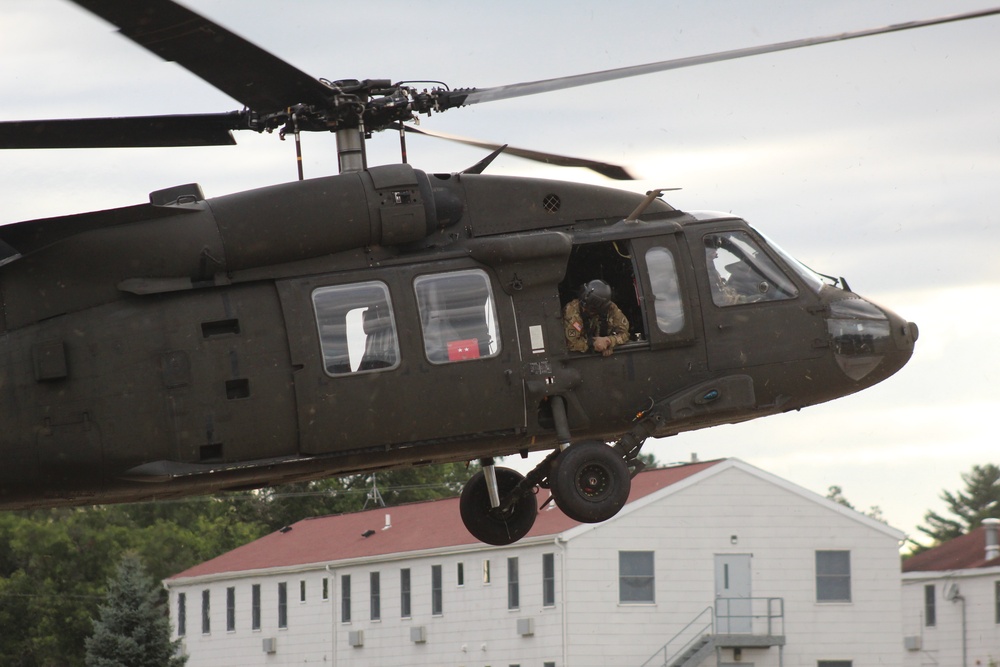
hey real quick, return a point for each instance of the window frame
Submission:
(930, 606)
(345, 598)
(549, 580)
(182, 614)
(513, 583)
(206, 611)
(405, 593)
(354, 337)
(255, 607)
(438, 348)
(628, 582)
(231, 609)
(282, 605)
(829, 578)
(437, 591)
(375, 596)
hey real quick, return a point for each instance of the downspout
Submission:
(563, 609)
(333, 616)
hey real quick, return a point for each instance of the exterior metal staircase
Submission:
(752, 623)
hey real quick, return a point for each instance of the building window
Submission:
(513, 585)
(404, 593)
(835, 663)
(345, 599)
(302, 591)
(486, 571)
(457, 316)
(282, 605)
(548, 580)
(833, 576)
(996, 598)
(437, 604)
(357, 332)
(206, 604)
(230, 609)
(181, 614)
(375, 591)
(460, 574)
(930, 606)
(636, 577)
(326, 589)
(255, 607)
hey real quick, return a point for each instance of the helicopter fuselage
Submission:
(386, 318)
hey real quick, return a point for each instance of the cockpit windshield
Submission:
(813, 279)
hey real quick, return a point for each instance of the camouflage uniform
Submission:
(581, 330)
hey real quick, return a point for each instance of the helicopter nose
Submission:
(869, 342)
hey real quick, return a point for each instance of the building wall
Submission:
(475, 626)
(941, 643)
(780, 529)
(732, 512)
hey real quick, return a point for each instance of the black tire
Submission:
(590, 482)
(494, 526)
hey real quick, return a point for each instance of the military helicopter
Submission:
(386, 316)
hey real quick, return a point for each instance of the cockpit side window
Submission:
(457, 316)
(667, 300)
(357, 332)
(740, 272)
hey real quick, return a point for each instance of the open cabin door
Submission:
(399, 358)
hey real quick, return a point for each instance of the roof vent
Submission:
(388, 522)
(992, 527)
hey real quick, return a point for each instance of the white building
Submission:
(747, 566)
(951, 601)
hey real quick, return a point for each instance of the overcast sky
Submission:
(876, 159)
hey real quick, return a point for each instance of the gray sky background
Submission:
(876, 159)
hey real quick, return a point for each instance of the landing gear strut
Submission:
(590, 482)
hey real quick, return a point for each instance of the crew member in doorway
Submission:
(593, 322)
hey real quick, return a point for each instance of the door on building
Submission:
(733, 608)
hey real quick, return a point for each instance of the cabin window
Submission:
(357, 331)
(612, 263)
(739, 272)
(457, 316)
(666, 290)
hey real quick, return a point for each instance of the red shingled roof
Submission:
(961, 553)
(414, 527)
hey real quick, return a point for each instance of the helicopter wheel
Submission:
(497, 526)
(590, 482)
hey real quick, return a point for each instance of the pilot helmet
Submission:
(595, 296)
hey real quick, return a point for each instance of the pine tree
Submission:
(133, 629)
(980, 500)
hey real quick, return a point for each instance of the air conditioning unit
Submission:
(526, 627)
(356, 638)
(270, 645)
(913, 643)
(418, 634)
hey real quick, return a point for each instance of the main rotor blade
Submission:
(126, 132)
(614, 171)
(261, 81)
(560, 83)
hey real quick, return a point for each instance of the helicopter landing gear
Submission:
(590, 481)
(496, 507)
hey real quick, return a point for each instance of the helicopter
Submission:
(387, 316)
